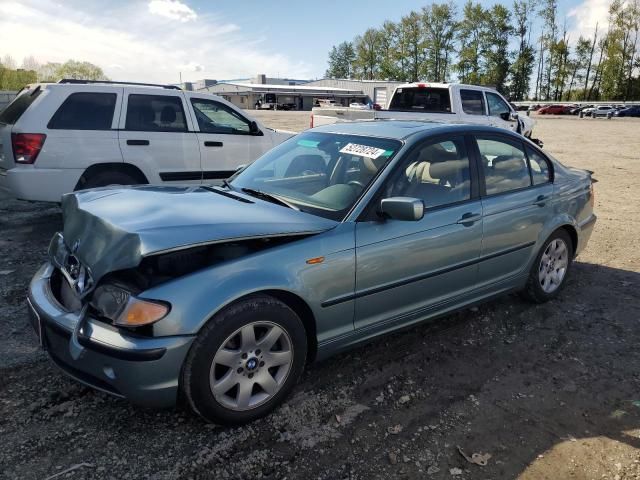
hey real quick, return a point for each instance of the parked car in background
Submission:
(222, 295)
(553, 110)
(603, 111)
(439, 102)
(633, 111)
(56, 138)
(360, 106)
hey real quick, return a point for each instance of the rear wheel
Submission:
(549, 271)
(245, 361)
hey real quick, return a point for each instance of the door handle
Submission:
(212, 144)
(137, 142)
(469, 219)
(541, 200)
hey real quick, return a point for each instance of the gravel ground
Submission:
(549, 391)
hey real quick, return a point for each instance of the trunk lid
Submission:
(113, 228)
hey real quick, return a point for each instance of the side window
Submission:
(155, 113)
(504, 165)
(85, 111)
(472, 102)
(540, 172)
(214, 117)
(437, 173)
(497, 106)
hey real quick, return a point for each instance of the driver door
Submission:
(500, 112)
(405, 269)
(225, 139)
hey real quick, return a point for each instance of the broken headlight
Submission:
(126, 310)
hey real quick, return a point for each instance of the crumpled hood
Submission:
(113, 228)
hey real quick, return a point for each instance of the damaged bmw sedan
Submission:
(220, 295)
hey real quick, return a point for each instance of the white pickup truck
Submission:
(438, 102)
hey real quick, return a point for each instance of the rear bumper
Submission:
(40, 184)
(144, 370)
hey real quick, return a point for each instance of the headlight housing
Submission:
(125, 309)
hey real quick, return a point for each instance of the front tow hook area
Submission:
(75, 349)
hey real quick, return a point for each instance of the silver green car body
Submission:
(372, 275)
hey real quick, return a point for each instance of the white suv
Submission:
(61, 137)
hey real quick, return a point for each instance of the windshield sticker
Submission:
(362, 150)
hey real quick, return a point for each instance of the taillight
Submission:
(27, 146)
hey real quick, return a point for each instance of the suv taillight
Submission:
(27, 146)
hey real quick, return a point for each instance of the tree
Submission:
(80, 71)
(367, 49)
(8, 62)
(471, 34)
(589, 63)
(495, 48)
(414, 39)
(522, 66)
(439, 23)
(340, 61)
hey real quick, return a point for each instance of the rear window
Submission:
(15, 109)
(421, 99)
(155, 113)
(472, 102)
(85, 111)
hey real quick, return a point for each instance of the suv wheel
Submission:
(245, 361)
(550, 269)
(107, 178)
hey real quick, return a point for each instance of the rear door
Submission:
(225, 138)
(157, 135)
(515, 205)
(473, 108)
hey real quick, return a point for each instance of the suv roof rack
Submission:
(78, 81)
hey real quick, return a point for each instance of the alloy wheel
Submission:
(553, 265)
(251, 366)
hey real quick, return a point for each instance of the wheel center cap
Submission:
(252, 363)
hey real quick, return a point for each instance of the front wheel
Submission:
(245, 361)
(550, 269)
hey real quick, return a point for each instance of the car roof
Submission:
(403, 129)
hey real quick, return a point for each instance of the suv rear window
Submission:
(15, 109)
(421, 99)
(155, 113)
(85, 111)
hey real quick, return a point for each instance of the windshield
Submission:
(320, 173)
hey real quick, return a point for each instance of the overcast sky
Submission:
(155, 40)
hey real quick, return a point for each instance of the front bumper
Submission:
(145, 370)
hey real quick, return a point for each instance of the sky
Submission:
(159, 40)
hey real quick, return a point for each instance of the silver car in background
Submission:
(340, 234)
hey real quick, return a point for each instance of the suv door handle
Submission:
(469, 219)
(137, 142)
(212, 144)
(541, 200)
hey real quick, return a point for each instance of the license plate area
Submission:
(36, 323)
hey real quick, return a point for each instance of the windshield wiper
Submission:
(269, 197)
(225, 183)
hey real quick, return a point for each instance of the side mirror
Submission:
(403, 208)
(254, 129)
(509, 116)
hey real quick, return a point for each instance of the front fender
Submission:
(196, 297)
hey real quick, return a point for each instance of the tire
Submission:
(224, 363)
(556, 255)
(107, 178)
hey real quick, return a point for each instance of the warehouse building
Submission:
(269, 93)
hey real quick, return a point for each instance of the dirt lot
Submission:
(550, 391)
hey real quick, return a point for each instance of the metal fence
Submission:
(6, 97)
